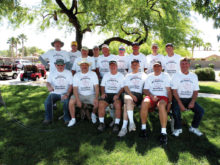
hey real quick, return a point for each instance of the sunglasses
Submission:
(122, 49)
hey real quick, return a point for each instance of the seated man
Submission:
(111, 89)
(59, 83)
(185, 90)
(85, 91)
(158, 94)
(133, 86)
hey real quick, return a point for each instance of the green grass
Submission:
(82, 144)
(209, 87)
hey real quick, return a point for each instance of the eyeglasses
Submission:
(122, 49)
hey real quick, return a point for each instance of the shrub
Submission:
(197, 66)
(211, 65)
(205, 74)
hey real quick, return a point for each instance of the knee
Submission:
(145, 105)
(161, 104)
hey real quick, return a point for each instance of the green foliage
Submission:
(209, 87)
(211, 65)
(197, 66)
(205, 74)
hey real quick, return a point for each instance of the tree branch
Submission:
(88, 29)
(129, 33)
(119, 39)
(73, 5)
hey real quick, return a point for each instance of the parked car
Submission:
(33, 72)
(22, 63)
(8, 70)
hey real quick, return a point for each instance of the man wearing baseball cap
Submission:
(122, 60)
(73, 54)
(155, 56)
(85, 92)
(59, 84)
(158, 94)
(53, 55)
(95, 51)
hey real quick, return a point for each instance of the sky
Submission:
(43, 39)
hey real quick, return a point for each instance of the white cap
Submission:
(105, 46)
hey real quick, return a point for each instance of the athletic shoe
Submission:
(93, 116)
(101, 127)
(177, 132)
(46, 122)
(163, 139)
(195, 131)
(123, 132)
(115, 128)
(143, 133)
(66, 122)
(132, 127)
(71, 123)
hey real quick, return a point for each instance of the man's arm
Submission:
(175, 94)
(102, 92)
(169, 93)
(98, 73)
(75, 92)
(49, 87)
(127, 90)
(44, 62)
(194, 97)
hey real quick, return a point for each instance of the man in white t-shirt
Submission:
(53, 55)
(103, 61)
(85, 52)
(185, 88)
(137, 56)
(85, 91)
(152, 58)
(133, 86)
(111, 90)
(73, 54)
(95, 51)
(157, 94)
(59, 84)
(122, 60)
(171, 61)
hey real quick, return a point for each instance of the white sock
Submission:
(143, 126)
(125, 123)
(130, 116)
(93, 115)
(101, 119)
(117, 120)
(164, 130)
(73, 119)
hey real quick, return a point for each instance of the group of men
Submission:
(122, 82)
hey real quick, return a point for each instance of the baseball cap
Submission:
(185, 59)
(57, 40)
(154, 44)
(135, 60)
(85, 48)
(84, 61)
(59, 62)
(169, 44)
(95, 47)
(157, 63)
(121, 47)
(112, 62)
(105, 46)
(74, 43)
(135, 44)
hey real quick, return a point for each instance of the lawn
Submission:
(26, 141)
(209, 87)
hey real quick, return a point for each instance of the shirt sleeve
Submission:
(75, 82)
(93, 67)
(103, 81)
(146, 84)
(49, 79)
(46, 55)
(167, 77)
(174, 82)
(96, 81)
(74, 65)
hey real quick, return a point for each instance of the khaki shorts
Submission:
(89, 99)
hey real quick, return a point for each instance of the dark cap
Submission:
(157, 63)
(135, 60)
(169, 44)
(135, 44)
(59, 62)
(185, 59)
(57, 40)
(95, 47)
(112, 62)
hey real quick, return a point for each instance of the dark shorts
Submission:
(109, 98)
(138, 95)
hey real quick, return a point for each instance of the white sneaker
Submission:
(195, 131)
(123, 132)
(132, 127)
(71, 123)
(177, 132)
(93, 116)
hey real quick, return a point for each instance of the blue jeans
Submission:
(198, 113)
(48, 104)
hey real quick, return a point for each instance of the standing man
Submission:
(158, 94)
(85, 91)
(111, 90)
(53, 55)
(133, 86)
(73, 54)
(172, 60)
(85, 52)
(185, 90)
(103, 61)
(122, 60)
(137, 56)
(59, 84)
(96, 54)
(152, 58)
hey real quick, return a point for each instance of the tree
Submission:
(23, 38)
(123, 20)
(207, 46)
(11, 41)
(16, 43)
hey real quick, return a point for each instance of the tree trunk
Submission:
(79, 38)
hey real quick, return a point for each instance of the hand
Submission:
(182, 107)
(191, 105)
(50, 89)
(134, 98)
(115, 97)
(103, 96)
(96, 101)
(64, 97)
(79, 103)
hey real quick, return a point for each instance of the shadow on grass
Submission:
(208, 89)
(83, 143)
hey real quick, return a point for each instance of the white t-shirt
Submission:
(76, 67)
(74, 55)
(112, 83)
(142, 61)
(60, 81)
(135, 81)
(122, 63)
(172, 64)
(85, 82)
(157, 84)
(103, 63)
(185, 84)
(53, 55)
(151, 59)
(96, 62)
